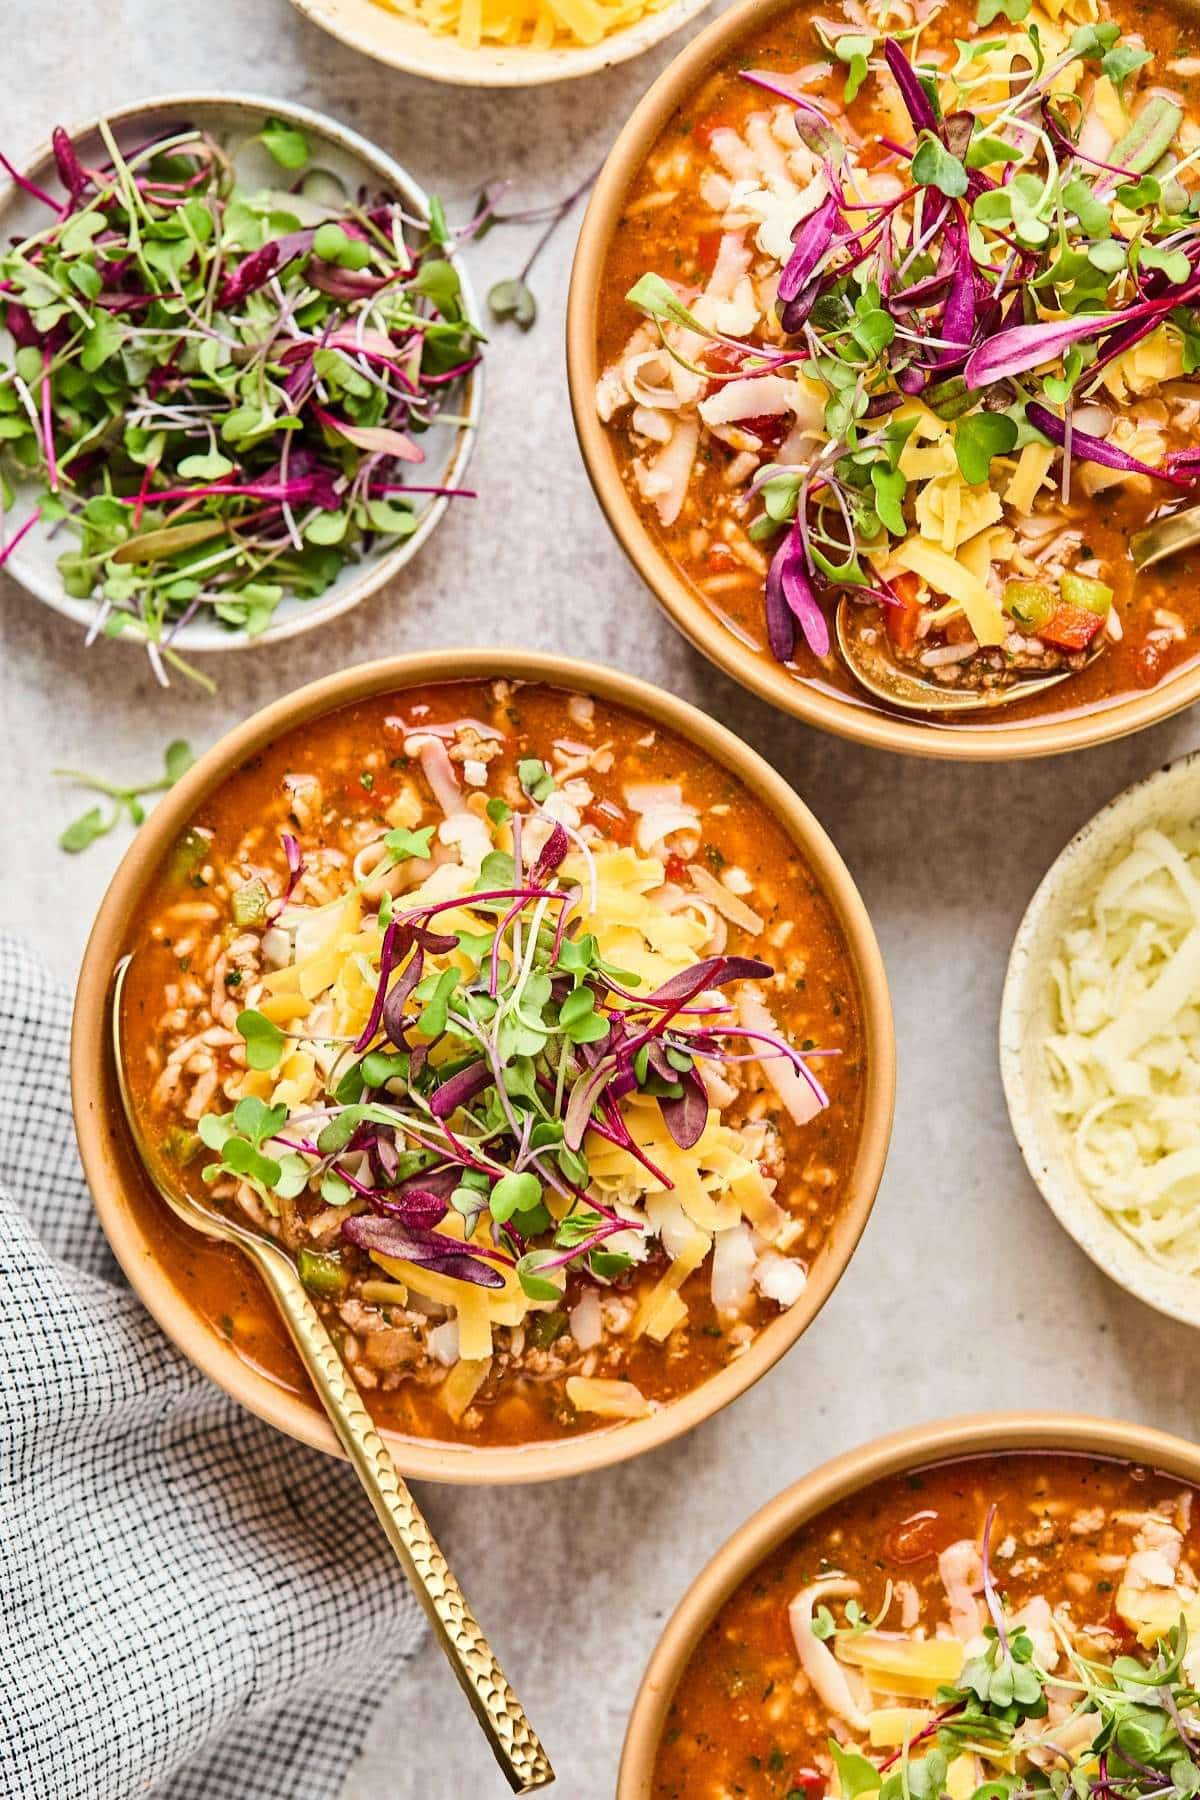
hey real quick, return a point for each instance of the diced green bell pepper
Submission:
(1081, 590)
(546, 1328)
(1030, 603)
(187, 854)
(322, 1275)
(249, 903)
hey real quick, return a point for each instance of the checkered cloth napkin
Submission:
(191, 1605)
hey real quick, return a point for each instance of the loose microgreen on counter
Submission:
(127, 801)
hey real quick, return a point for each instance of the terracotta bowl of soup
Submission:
(983, 576)
(567, 1166)
(852, 1605)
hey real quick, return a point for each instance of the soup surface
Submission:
(526, 1028)
(983, 1627)
(897, 313)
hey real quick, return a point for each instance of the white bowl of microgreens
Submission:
(239, 373)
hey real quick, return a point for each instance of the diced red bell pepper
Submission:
(722, 359)
(708, 248)
(769, 428)
(609, 820)
(810, 1783)
(1070, 627)
(913, 1539)
(902, 620)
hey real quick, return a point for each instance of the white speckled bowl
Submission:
(234, 119)
(405, 43)
(1169, 798)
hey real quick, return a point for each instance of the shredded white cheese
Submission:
(1124, 1061)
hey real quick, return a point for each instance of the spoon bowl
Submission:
(866, 655)
(1165, 537)
(514, 1742)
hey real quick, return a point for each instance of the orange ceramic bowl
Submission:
(134, 1222)
(836, 1481)
(849, 717)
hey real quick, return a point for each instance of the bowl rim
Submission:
(96, 1110)
(1116, 1255)
(842, 715)
(373, 576)
(943, 1440)
(493, 65)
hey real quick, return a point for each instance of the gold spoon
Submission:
(514, 1742)
(1165, 537)
(870, 662)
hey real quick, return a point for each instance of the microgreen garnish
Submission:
(127, 801)
(401, 844)
(977, 438)
(478, 1085)
(1141, 1746)
(934, 166)
(223, 389)
(854, 1620)
(264, 1040)
(239, 1137)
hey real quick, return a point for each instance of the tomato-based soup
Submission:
(871, 1640)
(814, 371)
(528, 1031)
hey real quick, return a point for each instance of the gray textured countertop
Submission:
(965, 1295)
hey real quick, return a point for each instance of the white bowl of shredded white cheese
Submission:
(1100, 1039)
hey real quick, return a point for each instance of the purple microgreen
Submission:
(427, 1249)
(712, 972)
(916, 100)
(686, 1117)
(460, 1089)
(1087, 448)
(990, 1595)
(790, 596)
(812, 239)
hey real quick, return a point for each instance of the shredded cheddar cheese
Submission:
(1124, 1055)
(609, 1399)
(540, 24)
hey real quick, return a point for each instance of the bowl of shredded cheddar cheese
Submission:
(1100, 1039)
(501, 43)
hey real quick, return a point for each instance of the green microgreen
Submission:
(988, 11)
(934, 166)
(402, 844)
(264, 1039)
(238, 1137)
(287, 144)
(127, 801)
(853, 48)
(977, 438)
(535, 778)
(513, 298)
